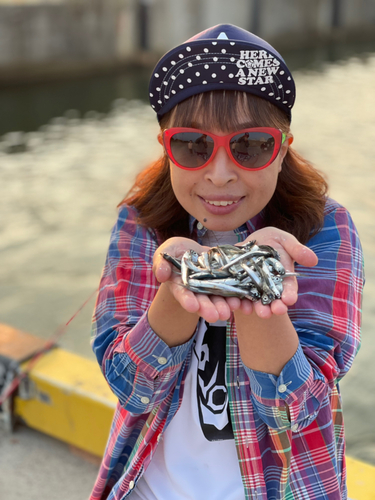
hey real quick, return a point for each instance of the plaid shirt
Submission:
(300, 456)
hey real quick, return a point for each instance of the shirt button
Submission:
(145, 400)
(282, 388)
(158, 438)
(162, 360)
(131, 485)
(294, 427)
(200, 225)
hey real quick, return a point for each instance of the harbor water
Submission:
(60, 186)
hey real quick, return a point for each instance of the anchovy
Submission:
(191, 260)
(210, 287)
(245, 271)
(268, 278)
(204, 275)
(204, 261)
(268, 292)
(236, 260)
(272, 251)
(275, 265)
(255, 277)
(186, 264)
(247, 246)
(216, 258)
(172, 260)
(231, 250)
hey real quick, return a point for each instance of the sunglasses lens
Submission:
(252, 149)
(191, 149)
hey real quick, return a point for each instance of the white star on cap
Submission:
(223, 36)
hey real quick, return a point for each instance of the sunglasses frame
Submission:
(224, 141)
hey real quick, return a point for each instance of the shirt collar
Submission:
(248, 227)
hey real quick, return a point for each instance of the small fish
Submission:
(172, 260)
(212, 288)
(247, 246)
(253, 275)
(268, 278)
(275, 265)
(204, 275)
(236, 260)
(245, 271)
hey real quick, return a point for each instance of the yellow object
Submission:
(68, 398)
(361, 480)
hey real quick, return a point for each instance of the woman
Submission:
(221, 397)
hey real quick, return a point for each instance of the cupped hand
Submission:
(213, 307)
(290, 251)
(210, 307)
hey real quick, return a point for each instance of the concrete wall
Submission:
(65, 36)
(285, 22)
(357, 13)
(291, 19)
(36, 33)
(41, 37)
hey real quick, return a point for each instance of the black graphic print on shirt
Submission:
(212, 393)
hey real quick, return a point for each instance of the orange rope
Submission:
(48, 345)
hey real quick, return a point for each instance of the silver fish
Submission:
(275, 265)
(247, 271)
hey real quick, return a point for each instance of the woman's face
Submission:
(223, 196)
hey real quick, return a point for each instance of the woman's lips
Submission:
(220, 206)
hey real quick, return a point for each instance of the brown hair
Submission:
(297, 205)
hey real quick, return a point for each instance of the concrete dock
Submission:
(36, 466)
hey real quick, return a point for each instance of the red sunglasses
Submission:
(250, 149)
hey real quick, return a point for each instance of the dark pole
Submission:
(336, 13)
(255, 17)
(143, 25)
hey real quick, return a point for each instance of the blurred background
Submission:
(73, 106)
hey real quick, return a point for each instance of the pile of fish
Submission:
(248, 271)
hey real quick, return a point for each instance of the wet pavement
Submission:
(58, 203)
(34, 466)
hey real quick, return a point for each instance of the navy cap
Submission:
(222, 57)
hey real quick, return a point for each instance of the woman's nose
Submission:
(221, 170)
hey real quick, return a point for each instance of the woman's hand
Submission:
(290, 251)
(211, 308)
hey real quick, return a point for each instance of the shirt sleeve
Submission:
(327, 318)
(140, 368)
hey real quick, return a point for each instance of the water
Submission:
(58, 202)
(27, 107)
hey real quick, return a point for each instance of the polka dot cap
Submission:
(222, 57)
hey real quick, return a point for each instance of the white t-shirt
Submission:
(196, 458)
